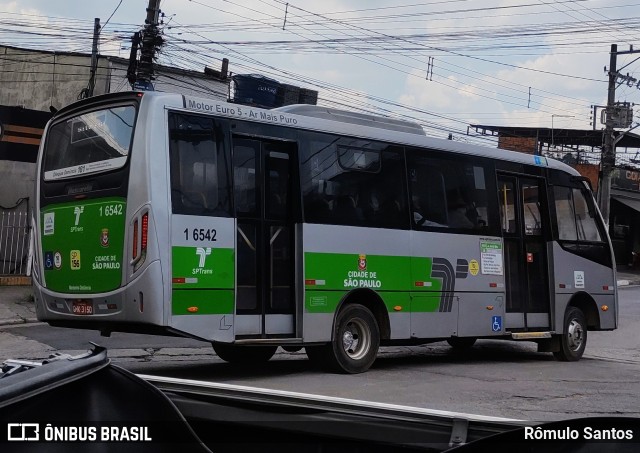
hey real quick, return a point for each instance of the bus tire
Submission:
(244, 355)
(573, 340)
(355, 340)
(461, 343)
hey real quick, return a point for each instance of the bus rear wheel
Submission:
(244, 355)
(355, 342)
(573, 340)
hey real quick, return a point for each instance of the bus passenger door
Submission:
(265, 268)
(523, 222)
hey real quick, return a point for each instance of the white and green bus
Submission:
(309, 227)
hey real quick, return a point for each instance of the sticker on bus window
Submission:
(474, 267)
(490, 256)
(75, 259)
(49, 223)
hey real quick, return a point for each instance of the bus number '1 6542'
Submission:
(201, 234)
(110, 210)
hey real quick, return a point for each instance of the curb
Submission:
(15, 281)
(17, 322)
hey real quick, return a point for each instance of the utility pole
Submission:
(88, 91)
(94, 55)
(614, 118)
(133, 63)
(608, 151)
(151, 42)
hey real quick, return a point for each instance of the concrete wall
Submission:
(37, 80)
(16, 181)
(188, 83)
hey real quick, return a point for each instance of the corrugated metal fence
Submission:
(15, 239)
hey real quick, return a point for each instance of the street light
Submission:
(560, 116)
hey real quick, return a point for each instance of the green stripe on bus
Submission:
(350, 270)
(202, 267)
(82, 245)
(395, 302)
(346, 271)
(202, 302)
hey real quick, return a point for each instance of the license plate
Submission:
(82, 307)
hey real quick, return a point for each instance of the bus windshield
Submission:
(89, 143)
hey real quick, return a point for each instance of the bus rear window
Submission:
(89, 143)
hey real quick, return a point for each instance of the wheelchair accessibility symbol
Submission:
(496, 323)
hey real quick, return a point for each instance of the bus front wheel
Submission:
(244, 355)
(356, 338)
(573, 339)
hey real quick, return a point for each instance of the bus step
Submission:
(268, 341)
(530, 335)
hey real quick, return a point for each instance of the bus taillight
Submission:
(145, 231)
(138, 256)
(134, 253)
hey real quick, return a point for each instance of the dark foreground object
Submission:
(85, 403)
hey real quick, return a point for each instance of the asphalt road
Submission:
(497, 378)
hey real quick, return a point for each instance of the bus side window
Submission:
(245, 154)
(198, 162)
(447, 193)
(506, 200)
(575, 218)
(429, 203)
(350, 181)
(565, 213)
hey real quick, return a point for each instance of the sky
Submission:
(444, 63)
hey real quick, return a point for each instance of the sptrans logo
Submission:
(77, 211)
(76, 228)
(202, 253)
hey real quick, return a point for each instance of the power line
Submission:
(460, 54)
(340, 51)
(114, 11)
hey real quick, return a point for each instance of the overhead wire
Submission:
(255, 62)
(466, 90)
(235, 14)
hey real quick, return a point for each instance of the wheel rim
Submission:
(356, 339)
(575, 335)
